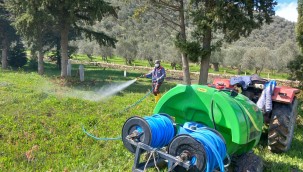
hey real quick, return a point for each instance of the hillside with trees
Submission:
(146, 30)
(271, 47)
(271, 35)
(147, 38)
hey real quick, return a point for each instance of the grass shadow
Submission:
(282, 166)
(293, 152)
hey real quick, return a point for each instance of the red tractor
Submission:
(281, 119)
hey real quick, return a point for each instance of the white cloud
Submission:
(288, 11)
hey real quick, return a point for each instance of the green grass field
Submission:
(41, 123)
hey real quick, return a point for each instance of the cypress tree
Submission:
(299, 28)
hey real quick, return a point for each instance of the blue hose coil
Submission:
(162, 130)
(214, 147)
(213, 144)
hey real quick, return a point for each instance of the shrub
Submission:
(17, 56)
(33, 64)
(296, 68)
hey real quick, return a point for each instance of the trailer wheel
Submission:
(281, 126)
(248, 162)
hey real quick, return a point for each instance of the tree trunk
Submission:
(239, 70)
(33, 54)
(40, 62)
(185, 65)
(129, 61)
(216, 67)
(204, 66)
(40, 59)
(64, 48)
(150, 62)
(58, 54)
(260, 70)
(173, 65)
(256, 70)
(4, 53)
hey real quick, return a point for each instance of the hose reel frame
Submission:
(184, 142)
(129, 132)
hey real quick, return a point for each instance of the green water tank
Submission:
(236, 117)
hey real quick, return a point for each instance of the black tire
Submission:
(248, 162)
(281, 126)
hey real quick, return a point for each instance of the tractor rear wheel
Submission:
(248, 162)
(281, 126)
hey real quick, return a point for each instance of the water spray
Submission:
(112, 89)
(123, 110)
(102, 93)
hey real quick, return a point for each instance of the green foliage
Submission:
(232, 18)
(256, 58)
(101, 38)
(17, 56)
(155, 38)
(7, 33)
(33, 64)
(6, 30)
(271, 35)
(234, 56)
(299, 28)
(278, 37)
(35, 19)
(296, 68)
(192, 49)
(31, 20)
(128, 50)
(158, 42)
(217, 56)
(146, 27)
(81, 15)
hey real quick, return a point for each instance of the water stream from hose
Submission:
(102, 93)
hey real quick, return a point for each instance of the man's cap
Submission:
(157, 61)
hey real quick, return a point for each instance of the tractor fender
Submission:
(284, 94)
(220, 83)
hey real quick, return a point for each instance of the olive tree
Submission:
(234, 56)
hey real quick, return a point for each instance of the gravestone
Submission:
(81, 72)
(69, 68)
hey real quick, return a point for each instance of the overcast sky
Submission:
(287, 9)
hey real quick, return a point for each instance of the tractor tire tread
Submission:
(281, 127)
(248, 162)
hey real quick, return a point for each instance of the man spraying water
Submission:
(157, 75)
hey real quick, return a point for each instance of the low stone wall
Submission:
(175, 74)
